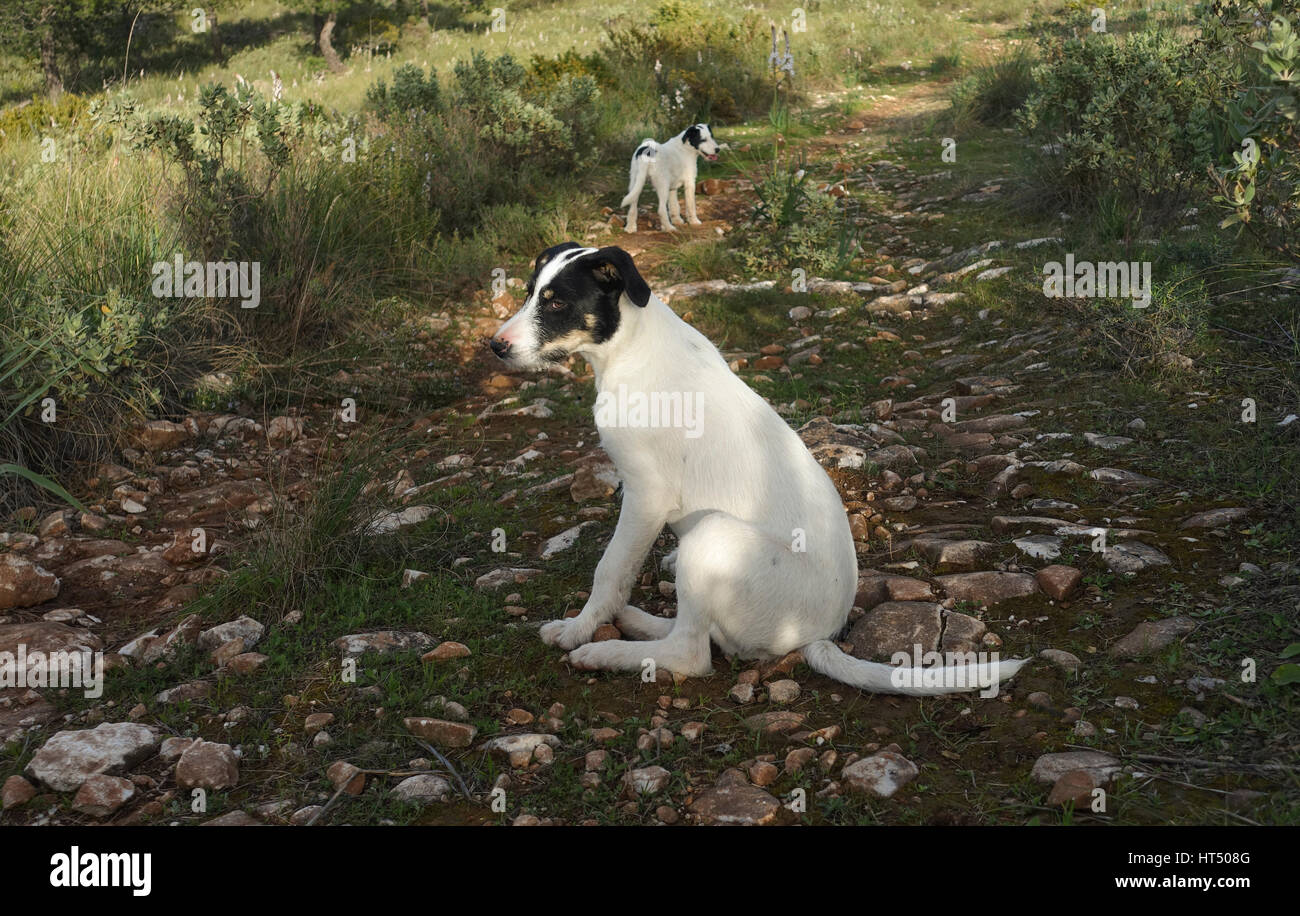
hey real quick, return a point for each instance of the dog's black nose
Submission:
(499, 347)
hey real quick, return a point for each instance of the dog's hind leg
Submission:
(636, 623)
(640, 168)
(762, 597)
(669, 563)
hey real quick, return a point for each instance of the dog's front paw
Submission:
(585, 658)
(669, 227)
(696, 222)
(564, 634)
(630, 230)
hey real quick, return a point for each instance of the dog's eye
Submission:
(555, 305)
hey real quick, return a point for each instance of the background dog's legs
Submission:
(674, 207)
(639, 523)
(640, 167)
(662, 190)
(689, 190)
(685, 650)
(637, 624)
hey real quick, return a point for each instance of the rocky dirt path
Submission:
(992, 511)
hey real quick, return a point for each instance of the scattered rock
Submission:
(563, 541)
(1058, 582)
(354, 645)
(1152, 636)
(1040, 547)
(783, 691)
(16, 792)
(646, 780)
(207, 765)
(896, 626)
(441, 732)
(1066, 661)
(1074, 786)
(988, 587)
(518, 749)
(342, 774)
(1131, 557)
(505, 576)
(69, 758)
(880, 775)
(245, 628)
(732, 801)
(101, 795)
(1120, 479)
(422, 789)
(1051, 767)
(24, 584)
(1215, 518)
(445, 652)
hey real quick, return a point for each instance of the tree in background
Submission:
(62, 35)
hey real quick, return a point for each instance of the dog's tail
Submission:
(825, 657)
(640, 165)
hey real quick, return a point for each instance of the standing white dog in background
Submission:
(670, 166)
(765, 561)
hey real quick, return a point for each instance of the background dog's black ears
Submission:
(612, 265)
(693, 135)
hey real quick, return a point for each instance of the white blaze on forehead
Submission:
(552, 268)
(520, 330)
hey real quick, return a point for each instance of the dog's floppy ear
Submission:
(551, 252)
(693, 136)
(613, 267)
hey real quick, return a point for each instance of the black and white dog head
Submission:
(699, 137)
(574, 304)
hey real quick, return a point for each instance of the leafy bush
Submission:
(501, 130)
(795, 226)
(1134, 116)
(706, 67)
(412, 91)
(217, 168)
(552, 123)
(33, 118)
(1262, 190)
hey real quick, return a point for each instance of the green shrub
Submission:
(35, 117)
(1261, 190)
(238, 143)
(795, 226)
(412, 91)
(1134, 115)
(706, 67)
(500, 134)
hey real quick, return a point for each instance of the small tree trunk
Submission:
(218, 51)
(326, 49)
(49, 60)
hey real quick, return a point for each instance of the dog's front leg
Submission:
(638, 525)
(663, 192)
(689, 190)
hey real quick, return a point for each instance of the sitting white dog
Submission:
(670, 166)
(765, 562)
